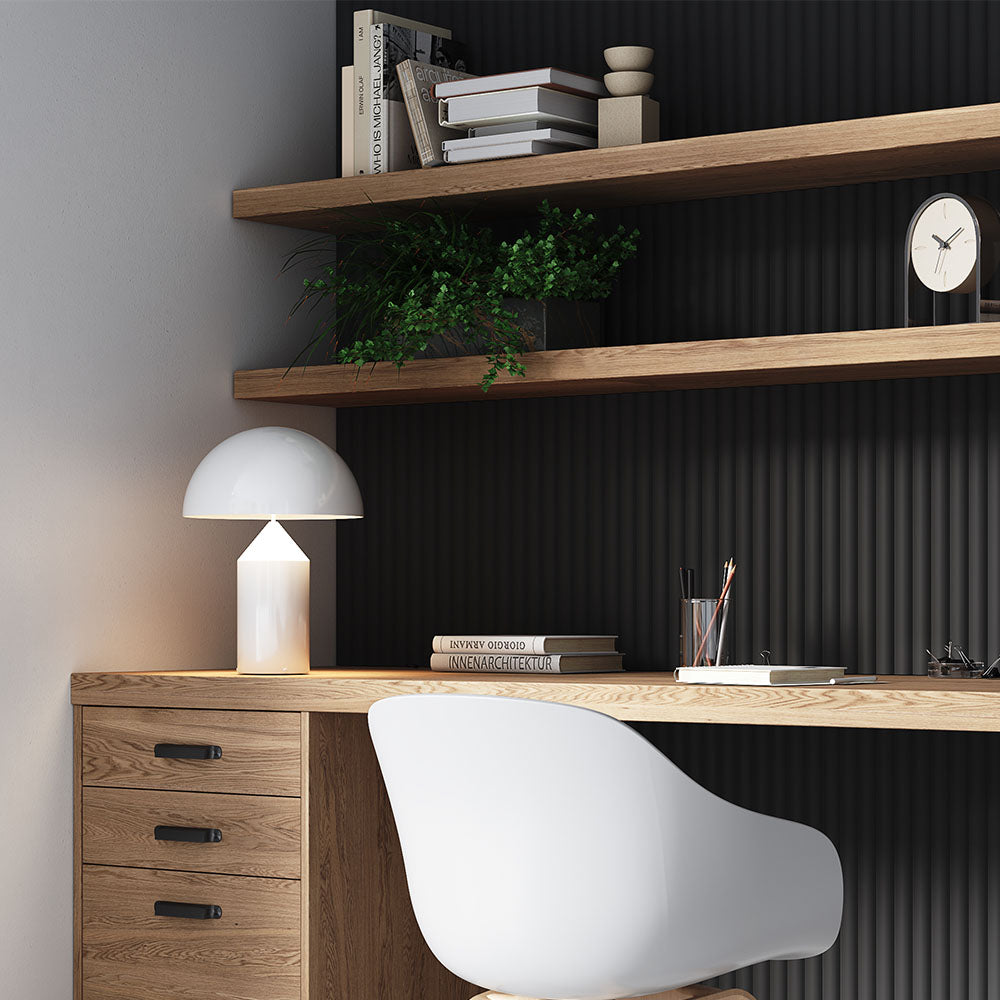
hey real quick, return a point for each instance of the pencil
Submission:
(725, 615)
(711, 622)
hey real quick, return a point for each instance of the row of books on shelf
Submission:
(409, 101)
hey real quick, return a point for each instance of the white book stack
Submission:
(518, 114)
(526, 654)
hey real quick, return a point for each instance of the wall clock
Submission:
(951, 247)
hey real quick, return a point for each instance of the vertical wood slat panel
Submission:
(863, 516)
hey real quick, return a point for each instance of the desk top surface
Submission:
(895, 702)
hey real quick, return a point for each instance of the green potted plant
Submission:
(430, 283)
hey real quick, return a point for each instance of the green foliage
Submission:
(565, 259)
(407, 280)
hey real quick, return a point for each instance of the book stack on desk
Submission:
(526, 654)
(518, 114)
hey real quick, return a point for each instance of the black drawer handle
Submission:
(189, 834)
(190, 911)
(186, 751)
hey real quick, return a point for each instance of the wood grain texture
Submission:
(959, 349)
(77, 854)
(260, 755)
(364, 939)
(250, 953)
(260, 833)
(920, 144)
(892, 703)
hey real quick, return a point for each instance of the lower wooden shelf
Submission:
(895, 702)
(857, 355)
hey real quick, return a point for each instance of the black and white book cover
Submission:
(395, 148)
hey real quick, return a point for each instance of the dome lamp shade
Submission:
(273, 472)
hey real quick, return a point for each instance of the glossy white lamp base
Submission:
(272, 605)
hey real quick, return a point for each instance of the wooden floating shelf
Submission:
(919, 144)
(892, 703)
(858, 355)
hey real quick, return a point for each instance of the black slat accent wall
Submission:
(865, 517)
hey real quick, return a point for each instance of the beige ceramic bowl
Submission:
(621, 58)
(628, 84)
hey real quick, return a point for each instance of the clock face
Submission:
(943, 246)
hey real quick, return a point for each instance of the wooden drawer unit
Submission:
(308, 874)
(255, 753)
(193, 831)
(249, 951)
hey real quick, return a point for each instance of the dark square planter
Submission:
(550, 325)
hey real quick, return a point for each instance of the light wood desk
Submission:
(308, 873)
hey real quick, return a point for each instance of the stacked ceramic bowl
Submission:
(628, 65)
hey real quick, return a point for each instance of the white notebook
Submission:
(556, 79)
(530, 103)
(503, 151)
(554, 135)
(751, 673)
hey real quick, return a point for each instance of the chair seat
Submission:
(685, 993)
(551, 851)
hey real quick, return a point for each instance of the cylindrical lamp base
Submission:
(272, 605)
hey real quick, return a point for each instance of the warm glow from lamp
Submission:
(265, 474)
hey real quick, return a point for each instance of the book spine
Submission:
(361, 101)
(527, 644)
(377, 118)
(510, 663)
(347, 121)
(415, 112)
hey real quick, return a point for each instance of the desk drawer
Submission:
(192, 831)
(251, 952)
(256, 753)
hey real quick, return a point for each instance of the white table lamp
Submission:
(267, 474)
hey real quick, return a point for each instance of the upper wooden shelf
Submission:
(919, 144)
(959, 349)
(892, 703)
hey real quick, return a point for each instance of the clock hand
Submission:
(953, 235)
(941, 254)
(940, 242)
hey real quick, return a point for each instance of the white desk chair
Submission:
(552, 852)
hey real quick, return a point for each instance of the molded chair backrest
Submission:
(553, 852)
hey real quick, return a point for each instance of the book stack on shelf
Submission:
(518, 114)
(376, 135)
(409, 101)
(526, 654)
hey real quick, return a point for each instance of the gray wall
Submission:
(127, 298)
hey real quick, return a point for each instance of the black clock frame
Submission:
(910, 279)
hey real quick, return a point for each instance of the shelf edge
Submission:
(793, 359)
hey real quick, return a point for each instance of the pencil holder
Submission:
(705, 623)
